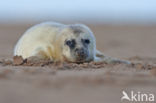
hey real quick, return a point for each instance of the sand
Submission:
(22, 81)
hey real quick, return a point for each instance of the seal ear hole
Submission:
(86, 41)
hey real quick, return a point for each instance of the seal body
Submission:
(57, 42)
(60, 42)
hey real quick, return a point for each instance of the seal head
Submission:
(78, 44)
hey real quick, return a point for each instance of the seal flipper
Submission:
(38, 54)
(100, 57)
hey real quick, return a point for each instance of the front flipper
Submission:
(38, 55)
(100, 57)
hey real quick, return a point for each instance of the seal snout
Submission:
(81, 53)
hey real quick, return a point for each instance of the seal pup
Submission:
(60, 42)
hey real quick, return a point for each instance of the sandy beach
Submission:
(82, 83)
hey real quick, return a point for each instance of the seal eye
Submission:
(87, 41)
(70, 43)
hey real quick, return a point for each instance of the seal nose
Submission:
(80, 52)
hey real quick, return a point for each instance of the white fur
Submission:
(40, 38)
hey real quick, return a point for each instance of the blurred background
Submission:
(88, 11)
(123, 28)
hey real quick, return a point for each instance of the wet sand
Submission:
(81, 83)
